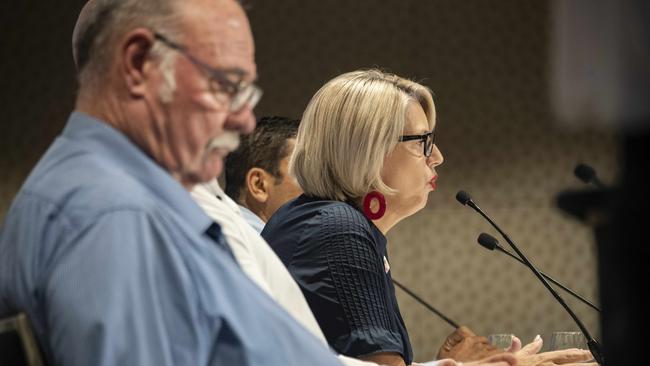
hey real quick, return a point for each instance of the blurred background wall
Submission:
(488, 65)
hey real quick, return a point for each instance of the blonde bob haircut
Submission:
(350, 125)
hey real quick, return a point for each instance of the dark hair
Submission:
(263, 148)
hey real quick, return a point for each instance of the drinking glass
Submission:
(565, 340)
(502, 340)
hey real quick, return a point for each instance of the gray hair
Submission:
(350, 125)
(101, 22)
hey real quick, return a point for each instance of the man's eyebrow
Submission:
(243, 74)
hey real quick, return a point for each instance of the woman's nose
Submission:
(436, 157)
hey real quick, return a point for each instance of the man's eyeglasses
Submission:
(241, 93)
(427, 139)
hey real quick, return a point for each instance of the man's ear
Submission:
(257, 184)
(136, 63)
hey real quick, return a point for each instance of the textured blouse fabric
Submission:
(337, 256)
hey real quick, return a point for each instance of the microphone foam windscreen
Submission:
(584, 172)
(487, 241)
(463, 197)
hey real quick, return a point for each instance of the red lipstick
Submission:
(432, 182)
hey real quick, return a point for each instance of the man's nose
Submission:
(242, 121)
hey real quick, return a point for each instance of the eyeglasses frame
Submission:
(220, 76)
(423, 137)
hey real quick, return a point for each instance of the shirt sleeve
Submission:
(357, 273)
(110, 301)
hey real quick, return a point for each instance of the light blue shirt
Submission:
(108, 256)
(252, 219)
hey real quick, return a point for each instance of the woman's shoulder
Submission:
(339, 208)
(313, 206)
(319, 216)
(336, 218)
(326, 209)
(343, 213)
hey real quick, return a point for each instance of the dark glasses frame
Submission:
(428, 139)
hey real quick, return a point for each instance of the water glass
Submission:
(566, 340)
(503, 341)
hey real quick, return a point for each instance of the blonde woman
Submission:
(366, 159)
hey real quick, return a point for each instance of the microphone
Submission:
(465, 199)
(426, 305)
(588, 175)
(489, 242)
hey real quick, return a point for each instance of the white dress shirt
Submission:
(253, 220)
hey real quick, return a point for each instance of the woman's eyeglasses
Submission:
(427, 139)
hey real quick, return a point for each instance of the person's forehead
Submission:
(416, 120)
(220, 35)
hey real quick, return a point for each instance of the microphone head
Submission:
(585, 173)
(487, 241)
(463, 197)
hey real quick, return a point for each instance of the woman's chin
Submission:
(415, 208)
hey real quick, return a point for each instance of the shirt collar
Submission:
(252, 219)
(215, 189)
(114, 145)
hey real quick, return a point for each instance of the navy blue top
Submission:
(338, 257)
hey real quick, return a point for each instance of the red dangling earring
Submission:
(367, 200)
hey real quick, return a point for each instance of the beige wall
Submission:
(487, 63)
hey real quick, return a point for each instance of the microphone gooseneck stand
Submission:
(489, 242)
(465, 199)
(426, 305)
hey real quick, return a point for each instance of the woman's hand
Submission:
(503, 359)
(464, 345)
(529, 356)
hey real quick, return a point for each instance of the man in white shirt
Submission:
(257, 176)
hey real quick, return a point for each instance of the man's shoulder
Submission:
(85, 184)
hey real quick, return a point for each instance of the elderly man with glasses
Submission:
(103, 247)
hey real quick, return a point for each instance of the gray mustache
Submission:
(228, 140)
